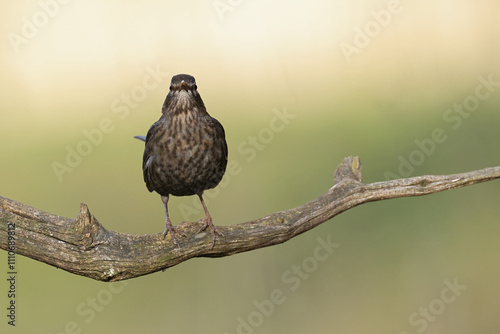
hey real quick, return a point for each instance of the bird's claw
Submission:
(173, 231)
(213, 229)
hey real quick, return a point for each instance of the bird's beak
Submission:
(184, 85)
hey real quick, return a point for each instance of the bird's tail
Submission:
(143, 138)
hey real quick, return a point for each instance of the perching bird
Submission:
(185, 152)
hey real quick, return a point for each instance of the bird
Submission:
(185, 151)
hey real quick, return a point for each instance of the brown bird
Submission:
(185, 152)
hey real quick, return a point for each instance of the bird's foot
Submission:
(173, 230)
(207, 222)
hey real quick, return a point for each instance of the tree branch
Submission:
(84, 247)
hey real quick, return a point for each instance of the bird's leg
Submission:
(168, 224)
(207, 222)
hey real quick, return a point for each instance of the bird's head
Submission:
(182, 82)
(183, 95)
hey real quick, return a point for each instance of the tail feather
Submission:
(143, 138)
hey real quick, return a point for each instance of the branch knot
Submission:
(349, 169)
(87, 226)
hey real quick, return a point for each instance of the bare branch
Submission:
(84, 247)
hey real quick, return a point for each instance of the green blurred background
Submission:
(65, 67)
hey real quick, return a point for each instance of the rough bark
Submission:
(83, 246)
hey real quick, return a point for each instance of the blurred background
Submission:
(412, 87)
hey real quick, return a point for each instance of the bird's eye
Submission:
(171, 87)
(195, 87)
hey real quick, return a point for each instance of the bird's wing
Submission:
(149, 156)
(219, 129)
(146, 169)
